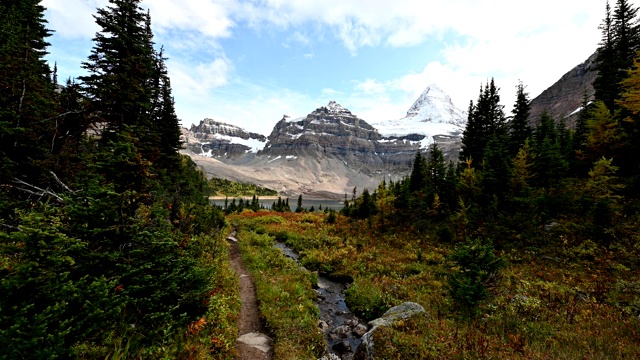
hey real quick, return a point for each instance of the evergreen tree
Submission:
(122, 68)
(366, 206)
(471, 136)
(630, 103)
(627, 35)
(486, 119)
(26, 91)
(618, 46)
(546, 129)
(495, 168)
(418, 178)
(606, 80)
(520, 130)
(580, 136)
(449, 195)
(299, 205)
(165, 121)
(436, 179)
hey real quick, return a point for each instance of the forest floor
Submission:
(252, 343)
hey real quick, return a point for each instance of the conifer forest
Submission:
(527, 247)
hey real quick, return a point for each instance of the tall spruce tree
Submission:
(121, 71)
(605, 83)
(486, 119)
(26, 91)
(520, 130)
(619, 43)
(436, 172)
(418, 178)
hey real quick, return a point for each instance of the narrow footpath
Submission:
(252, 343)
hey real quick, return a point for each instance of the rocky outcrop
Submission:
(396, 313)
(332, 131)
(564, 98)
(225, 141)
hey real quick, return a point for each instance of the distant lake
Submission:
(267, 202)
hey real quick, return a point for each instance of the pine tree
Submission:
(121, 72)
(520, 130)
(627, 35)
(418, 178)
(495, 168)
(299, 205)
(435, 174)
(606, 80)
(486, 119)
(618, 46)
(630, 103)
(26, 91)
(546, 129)
(165, 122)
(581, 122)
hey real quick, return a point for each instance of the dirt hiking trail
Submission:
(252, 343)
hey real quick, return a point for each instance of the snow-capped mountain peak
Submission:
(434, 105)
(433, 113)
(335, 108)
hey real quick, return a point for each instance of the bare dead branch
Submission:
(64, 186)
(34, 190)
(10, 227)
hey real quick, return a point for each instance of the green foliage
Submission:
(486, 119)
(520, 130)
(366, 300)
(50, 304)
(476, 273)
(331, 218)
(285, 294)
(224, 187)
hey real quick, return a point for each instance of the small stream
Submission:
(342, 330)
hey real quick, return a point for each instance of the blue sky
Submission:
(248, 62)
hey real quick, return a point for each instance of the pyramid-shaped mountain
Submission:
(431, 116)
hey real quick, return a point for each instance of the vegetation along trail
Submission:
(252, 343)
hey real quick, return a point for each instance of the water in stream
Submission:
(343, 330)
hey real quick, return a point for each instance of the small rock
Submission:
(258, 341)
(360, 330)
(351, 323)
(330, 357)
(341, 347)
(322, 325)
(341, 332)
(396, 313)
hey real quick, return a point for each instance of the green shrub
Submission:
(367, 300)
(475, 272)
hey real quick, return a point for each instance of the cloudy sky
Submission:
(248, 62)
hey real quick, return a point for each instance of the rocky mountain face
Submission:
(331, 150)
(333, 131)
(221, 140)
(564, 98)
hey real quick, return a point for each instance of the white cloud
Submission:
(209, 18)
(371, 86)
(72, 19)
(198, 81)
